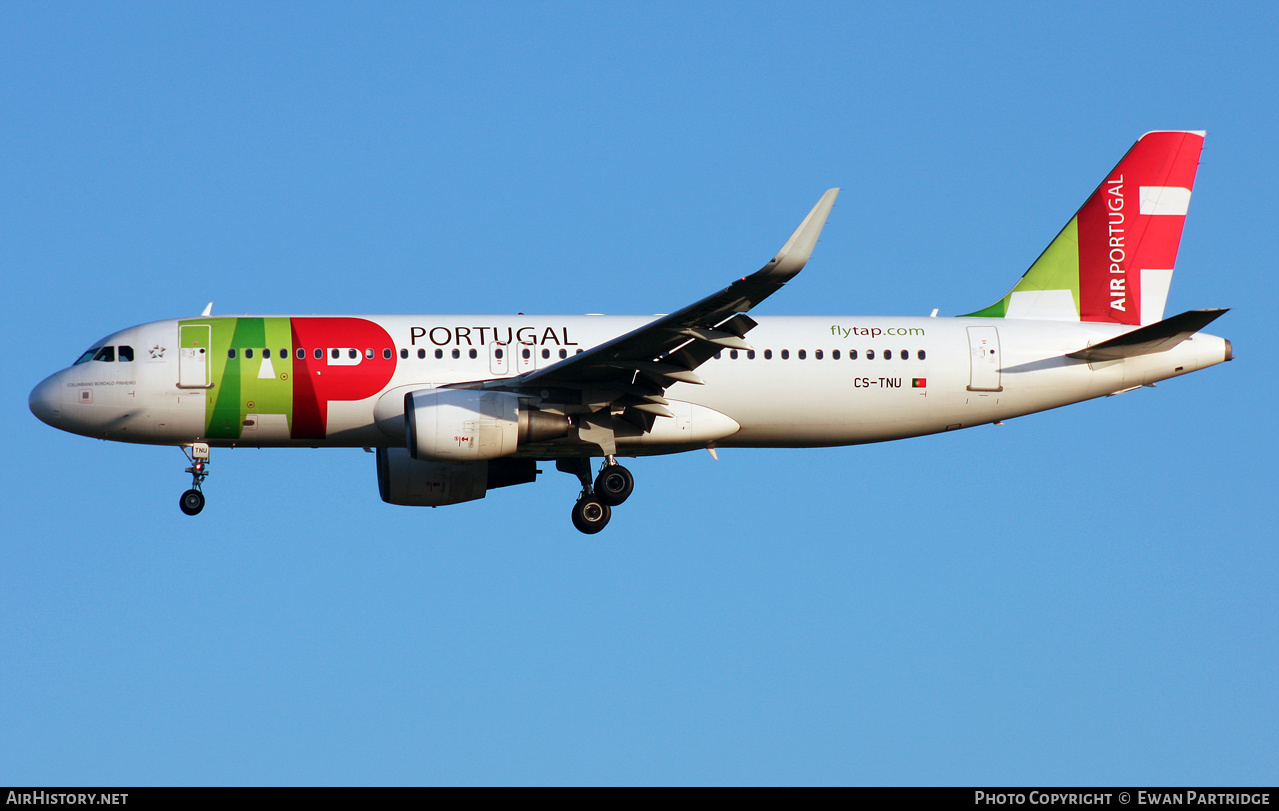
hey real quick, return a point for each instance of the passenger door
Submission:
(193, 356)
(983, 351)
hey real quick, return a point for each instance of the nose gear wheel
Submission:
(192, 501)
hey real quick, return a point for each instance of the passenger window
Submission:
(888, 354)
(319, 354)
(301, 353)
(817, 354)
(870, 354)
(248, 353)
(284, 353)
(354, 354)
(905, 354)
(404, 354)
(732, 354)
(472, 354)
(834, 355)
(525, 353)
(421, 354)
(336, 353)
(497, 353)
(125, 353)
(920, 354)
(368, 354)
(439, 354)
(457, 353)
(750, 354)
(266, 353)
(803, 354)
(230, 353)
(768, 354)
(563, 354)
(546, 353)
(386, 354)
(852, 354)
(785, 354)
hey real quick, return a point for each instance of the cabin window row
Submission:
(498, 353)
(337, 354)
(318, 354)
(352, 354)
(819, 354)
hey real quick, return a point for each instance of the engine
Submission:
(410, 482)
(468, 425)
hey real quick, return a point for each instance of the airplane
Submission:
(455, 406)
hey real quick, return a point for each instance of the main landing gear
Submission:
(192, 501)
(595, 504)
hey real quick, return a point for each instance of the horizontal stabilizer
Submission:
(1157, 337)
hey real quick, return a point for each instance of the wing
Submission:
(618, 385)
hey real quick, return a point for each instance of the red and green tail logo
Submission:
(1113, 261)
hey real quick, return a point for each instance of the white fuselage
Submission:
(809, 381)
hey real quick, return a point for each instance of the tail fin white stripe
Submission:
(1154, 294)
(1042, 305)
(1171, 200)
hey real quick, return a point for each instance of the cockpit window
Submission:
(125, 353)
(106, 354)
(87, 356)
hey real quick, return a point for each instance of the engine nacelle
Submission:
(470, 425)
(410, 482)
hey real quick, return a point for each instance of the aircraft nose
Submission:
(45, 401)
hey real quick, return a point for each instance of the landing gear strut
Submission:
(611, 487)
(192, 501)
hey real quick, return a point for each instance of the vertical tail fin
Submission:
(1113, 261)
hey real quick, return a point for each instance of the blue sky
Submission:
(1085, 596)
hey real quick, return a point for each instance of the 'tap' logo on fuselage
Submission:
(288, 369)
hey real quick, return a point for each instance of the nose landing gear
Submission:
(594, 506)
(192, 501)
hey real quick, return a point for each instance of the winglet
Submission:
(208, 310)
(794, 254)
